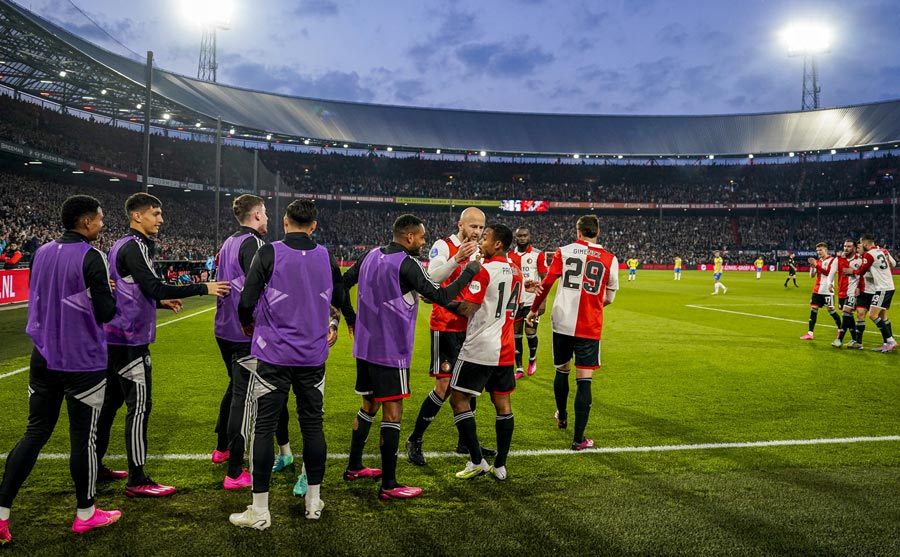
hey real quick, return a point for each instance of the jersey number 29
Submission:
(593, 272)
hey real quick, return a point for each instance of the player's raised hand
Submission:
(218, 289)
(475, 264)
(466, 249)
(811, 261)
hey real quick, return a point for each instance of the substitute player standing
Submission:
(70, 301)
(285, 307)
(390, 281)
(590, 278)
(759, 266)
(533, 265)
(677, 268)
(447, 258)
(234, 259)
(138, 294)
(824, 269)
(879, 262)
(632, 265)
(486, 359)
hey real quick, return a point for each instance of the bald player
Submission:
(447, 258)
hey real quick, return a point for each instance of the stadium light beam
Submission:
(808, 40)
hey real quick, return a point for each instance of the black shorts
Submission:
(381, 383)
(585, 350)
(474, 378)
(792, 273)
(522, 312)
(445, 349)
(882, 299)
(864, 300)
(821, 300)
(849, 301)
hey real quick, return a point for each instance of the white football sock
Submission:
(85, 514)
(261, 501)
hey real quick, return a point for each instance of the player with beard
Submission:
(533, 266)
(447, 258)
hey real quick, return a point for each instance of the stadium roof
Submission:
(34, 51)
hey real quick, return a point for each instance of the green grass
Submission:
(672, 374)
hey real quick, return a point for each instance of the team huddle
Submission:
(279, 306)
(862, 273)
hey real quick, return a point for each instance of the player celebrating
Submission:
(792, 271)
(718, 268)
(847, 292)
(823, 290)
(129, 335)
(448, 329)
(488, 353)
(632, 265)
(234, 260)
(590, 280)
(864, 299)
(759, 266)
(879, 262)
(532, 264)
(677, 268)
(285, 306)
(389, 279)
(70, 300)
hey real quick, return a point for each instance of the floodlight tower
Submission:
(808, 41)
(211, 15)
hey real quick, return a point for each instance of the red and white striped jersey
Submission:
(443, 319)
(587, 271)
(849, 283)
(490, 339)
(825, 270)
(533, 264)
(879, 262)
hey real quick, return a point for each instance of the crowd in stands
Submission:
(29, 203)
(337, 172)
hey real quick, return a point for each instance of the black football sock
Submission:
(468, 435)
(837, 319)
(879, 322)
(390, 442)
(813, 313)
(582, 406)
(860, 329)
(847, 325)
(472, 404)
(430, 408)
(358, 439)
(532, 346)
(889, 329)
(561, 393)
(504, 426)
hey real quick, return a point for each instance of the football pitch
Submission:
(718, 432)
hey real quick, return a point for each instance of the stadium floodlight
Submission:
(620, 156)
(208, 12)
(197, 125)
(711, 157)
(750, 156)
(345, 146)
(483, 153)
(102, 91)
(390, 149)
(808, 40)
(438, 152)
(834, 151)
(791, 154)
(805, 39)
(306, 142)
(63, 73)
(268, 137)
(139, 106)
(210, 15)
(576, 156)
(166, 116)
(231, 131)
(874, 148)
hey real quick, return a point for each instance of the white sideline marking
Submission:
(163, 324)
(554, 452)
(826, 325)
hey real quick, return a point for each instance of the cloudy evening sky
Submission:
(575, 56)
